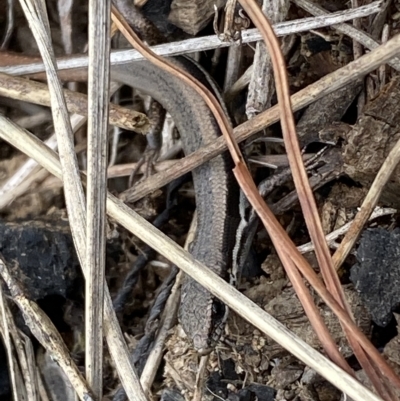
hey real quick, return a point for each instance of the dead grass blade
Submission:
(308, 204)
(45, 332)
(324, 86)
(98, 101)
(346, 29)
(25, 372)
(38, 93)
(300, 178)
(145, 231)
(14, 66)
(5, 334)
(35, 12)
(332, 236)
(245, 181)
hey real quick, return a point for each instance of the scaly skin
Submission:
(201, 315)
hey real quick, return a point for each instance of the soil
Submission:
(358, 125)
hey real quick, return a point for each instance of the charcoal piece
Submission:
(317, 44)
(242, 395)
(228, 369)
(217, 386)
(377, 274)
(260, 392)
(41, 256)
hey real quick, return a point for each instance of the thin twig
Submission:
(368, 205)
(304, 190)
(45, 332)
(125, 216)
(330, 238)
(204, 43)
(303, 98)
(349, 30)
(38, 93)
(98, 101)
(75, 200)
(5, 334)
(375, 368)
(167, 319)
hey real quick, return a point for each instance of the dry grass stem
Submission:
(204, 43)
(337, 302)
(38, 93)
(373, 364)
(303, 98)
(26, 384)
(45, 332)
(166, 247)
(116, 343)
(31, 368)
(349, 30)
(5, 331)
(167, 320)
(98, 101)
(331, 237)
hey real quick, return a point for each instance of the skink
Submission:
(201, 315)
